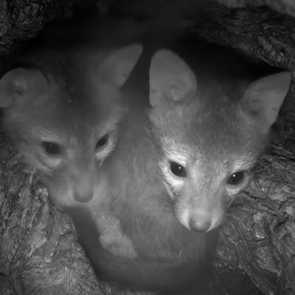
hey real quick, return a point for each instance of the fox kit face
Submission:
(208, 143)
(66, 124)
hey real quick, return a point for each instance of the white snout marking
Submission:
(184, 218)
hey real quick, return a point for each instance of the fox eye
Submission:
(236, 178)
(102, 142)
(177, 169)
(51, 148)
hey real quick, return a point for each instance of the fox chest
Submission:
(148, 241)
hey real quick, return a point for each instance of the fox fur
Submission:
(143, 227)
(149, 230)
(63, 95)
(146, 248)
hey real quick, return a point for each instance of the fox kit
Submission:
(209, 134)
(61, 105)
(209, 137)
(177, 166)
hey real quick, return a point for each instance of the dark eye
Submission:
(177, 169)
(236, 178)
(51, 148)
(102, 142)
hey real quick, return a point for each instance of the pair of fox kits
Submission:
(146, 176)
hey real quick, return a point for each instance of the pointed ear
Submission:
(19, 84)
(170, 79)
(118, 65)
(265, 96)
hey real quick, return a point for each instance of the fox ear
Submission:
(119, 64)
(17, 85)
(265, 96)
(170, 78)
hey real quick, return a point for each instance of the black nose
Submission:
(199, 225)
(83, 198)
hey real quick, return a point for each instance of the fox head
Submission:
(63, 116)
(208, 142)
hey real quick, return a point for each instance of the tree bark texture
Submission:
(281, 6)
(39, 252)
(22, 19)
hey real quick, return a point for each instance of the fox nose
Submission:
(83, 186)
(83, 198)
(200, 222)
(199, 226)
